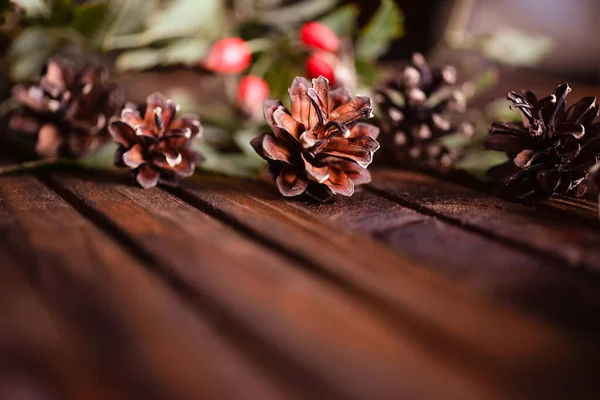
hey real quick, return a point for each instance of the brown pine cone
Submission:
(415, 114)
(69, 110)
(553, 148)
(157, 146)
(321, 148)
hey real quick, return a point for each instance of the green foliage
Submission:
(29, 52)
(343, 20)
(182, 18)
(178, 34)
(288, 18)
(144, 34)
(477, 163)
(90, 19)
(516, 48)
(385, 26)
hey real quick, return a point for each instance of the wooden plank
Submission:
(562, 240)
(491, 268)
(39, 356)
(481, 335)
(133, 336)
(306, 327)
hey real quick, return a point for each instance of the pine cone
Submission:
(69, 110)
(553, 148)
(416, 108)
(157, 146)
(320, 148)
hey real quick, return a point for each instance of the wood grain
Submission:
(483, 336)
(304, 327)
(512, 276)
(561, 239)
(129, 336)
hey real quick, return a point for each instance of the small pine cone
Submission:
(69, 110)
(156, 147)
(321, 148)
(416, 108)
(552, 150)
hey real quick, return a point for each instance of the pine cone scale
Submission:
(147, 176)
(309, 148)
(157, 148)
(549, 149)
(416, 108)
(72, 107)
(290, 184)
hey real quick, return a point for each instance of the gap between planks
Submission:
(560, 238)
(229, 219)
(205, 200)
(144, 197)
(242, 340)
(115, 317)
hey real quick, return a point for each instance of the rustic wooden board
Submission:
(417, 298)
(128, 333)
(298, 324)
(275, 293)
(510, 275)
(561, 239)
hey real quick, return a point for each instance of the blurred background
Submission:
(222, 58)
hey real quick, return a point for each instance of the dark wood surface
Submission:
(414, 288)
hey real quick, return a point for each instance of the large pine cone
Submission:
(154, 144)
(416, 108)
(553, 148)
(69, 110)
(321, 148)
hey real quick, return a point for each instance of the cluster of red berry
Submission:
(233, 56)
(324, 44)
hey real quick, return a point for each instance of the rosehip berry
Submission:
(321, 64)
(252, 93)
(318, 36)
(229, 56)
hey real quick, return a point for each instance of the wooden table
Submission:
(415, 288)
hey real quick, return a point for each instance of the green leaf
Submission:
(367, 72)
(29, 52)
(236, 164)
(184, 99)
(61, 12)
(499, 110)
(479, 162)
(184, 17)
(139, 59)
(485, 80)
(180, 19)
(287, 18)
(102, 159)
(129, 16)
(90, 19)
(385, 26)
(242, 140)
(516, 48)
(186, 51)
(343, 20)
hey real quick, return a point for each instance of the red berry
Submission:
(321, 64)
(252, 93)
(318, 36)
(229, 56)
